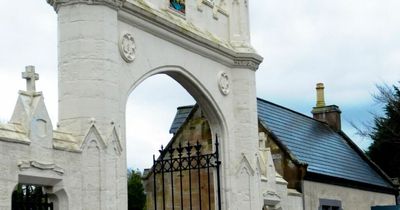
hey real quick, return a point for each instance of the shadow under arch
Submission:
(197, 90)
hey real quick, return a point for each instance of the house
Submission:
(176, 186)
(317, 158)
(312, 157)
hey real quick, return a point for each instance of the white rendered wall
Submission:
(351, 198)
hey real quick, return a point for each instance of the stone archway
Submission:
(196, 89)
(203, 98)
(106, 48)
(182, 75)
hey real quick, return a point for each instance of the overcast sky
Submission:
(350, 45)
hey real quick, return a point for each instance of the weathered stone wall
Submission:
(196, 129)
(350, 198)
(290, 171)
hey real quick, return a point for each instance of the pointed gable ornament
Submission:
(245, 176)
(93, 134)
(30, 111)
(115, 142)
(245, 167)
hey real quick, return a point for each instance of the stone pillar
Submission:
(90, 96)
(87, 62)
(246, 178)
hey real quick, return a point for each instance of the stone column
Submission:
(245, 173)
(90, 96)
(87, 62)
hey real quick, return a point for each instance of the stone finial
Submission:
(31, 78)
(320, 95)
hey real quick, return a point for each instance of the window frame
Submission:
(329, 202)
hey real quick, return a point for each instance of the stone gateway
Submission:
(105, 49)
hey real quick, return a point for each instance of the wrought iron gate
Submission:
(29, 197)
(194, 192)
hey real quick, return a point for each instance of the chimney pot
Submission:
(320, 95)
(328, 114)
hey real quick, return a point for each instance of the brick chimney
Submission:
(329, 114)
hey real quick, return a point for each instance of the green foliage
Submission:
(385, 133)
(136, 196)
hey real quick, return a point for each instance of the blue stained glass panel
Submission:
(178, 5)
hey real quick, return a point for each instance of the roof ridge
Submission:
(358, 150)
(186, 106)
(291, 110)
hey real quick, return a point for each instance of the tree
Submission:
(136, 196)
(385, 132)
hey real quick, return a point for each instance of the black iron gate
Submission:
(30, 197)
(196, 191)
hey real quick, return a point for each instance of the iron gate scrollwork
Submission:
(194, 173)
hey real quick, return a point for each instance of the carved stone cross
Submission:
(30, 77)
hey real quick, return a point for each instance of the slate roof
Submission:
(325, 151)
(310, 141)
(180, 117)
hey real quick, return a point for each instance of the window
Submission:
(324, 207)
(327, 204)
(177, 5)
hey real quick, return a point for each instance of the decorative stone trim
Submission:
(127, 47)
(24, 165)
(115, 4)
(93, 134)
(171, 29)
(224, 83)
(217, 8)
(271, 199)
(246, 63)
(30, 93)
(115, 142)
(209, 3)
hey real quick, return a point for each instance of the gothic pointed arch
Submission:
(195, 87)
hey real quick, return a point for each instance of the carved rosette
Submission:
(224, 83)
(127, 47)
(115, 4)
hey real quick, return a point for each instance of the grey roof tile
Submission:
(181, 114)
(326, 152)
